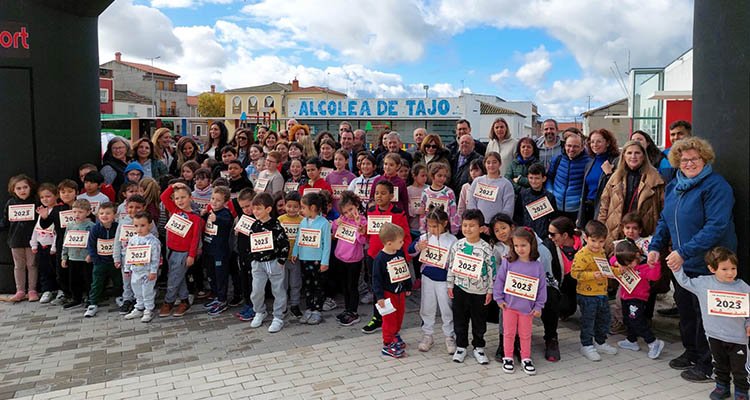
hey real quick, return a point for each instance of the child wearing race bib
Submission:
(634, 300)
(242, 230)
(202, 192)
(501, 239)
(362, 186)
(723, 301)
(92, 182)
(150, 190)
(126, 230)
(391, 164)
(492, 193)
(43, 246)
(187, 172)
(591, 291)
(313, 249)
(520, 291)
(296, 173)
(351, 231)
(291, 221)
(269, 249)
(74, 253)
(100, 247)
(141, 265)
(476, 169)
(183, 236)
(237, 178)
(58, 217)
(270, 179)
(439, 194)
(433, 248)
(18, 219)
(340, 178)
(383, 211)
(228, 153)
(535, 205)
(314, 182)
(470, 276)
(127, 190)
(391, 280)
(216, 249)
(415, 190)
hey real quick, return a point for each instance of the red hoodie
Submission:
(175, 242)
(398, 217)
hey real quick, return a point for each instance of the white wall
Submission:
(140, 110)
(679, 74)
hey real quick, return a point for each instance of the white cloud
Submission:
(185, 3)
(568, 98)
(537, 64)
(322, 55)
(500, 76)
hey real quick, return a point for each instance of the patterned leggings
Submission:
(314, 282)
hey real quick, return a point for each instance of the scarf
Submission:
(529, 161)
(684, 183)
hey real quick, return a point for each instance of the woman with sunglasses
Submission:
(432, 150)
(243, 140)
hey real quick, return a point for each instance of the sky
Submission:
(561, 54)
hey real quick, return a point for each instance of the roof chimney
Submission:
(213, 88)
(118, 56)
(295, 85)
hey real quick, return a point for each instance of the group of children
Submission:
(71, 245)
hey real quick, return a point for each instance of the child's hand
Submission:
(362, 230)
(323, 268)
(204, 211)
(118, 264)
(503, 306)
(421, 245)
(536, 313)
(516, 179)
(420, 210)
(88, 259)
(674, 261)
(450, 293)
(152, 276)
(34, 250)
(747, 330)
(43, 212)
(407, 294)
(293, 259)
(484, 229)
(189, 262)
(212, 217)
(598, 275)
(487, 298)
(64, 263)
(381, 303)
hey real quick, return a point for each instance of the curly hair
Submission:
(704, 149)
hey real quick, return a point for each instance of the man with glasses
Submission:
(566, 174)
(461, 162)
(346, 139)
(463, 127)
(549, 143)
(394, 146)
(678, 130)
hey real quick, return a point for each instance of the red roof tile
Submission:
(149, 69)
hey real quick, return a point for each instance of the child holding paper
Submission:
(350, 230)
(141, 263)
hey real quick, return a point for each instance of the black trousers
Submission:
(80, 278)
(730, 359)
(62, 274)
(46, 266)
(468, 307)
(691, 329)
(635, 318)
(245, 277)
(351, 286)
(568, 297)
(551, 313)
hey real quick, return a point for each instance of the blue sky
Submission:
(556, 53)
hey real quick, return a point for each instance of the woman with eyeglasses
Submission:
(243, 139)
(432, 150)
(697, 216)
(605, 155)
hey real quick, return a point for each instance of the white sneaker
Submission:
(628, 345)
(329, 304)
(276, 325)
(46, 297)
(605, 348)
(258, 320)
(59, 299)
(528, 366)
(426, 343)
(119, 300)
(136, 313)
(480, 356)
(459, 355)
(148, 315)
(590, 353)
(655, 348)
(91, 311)
(450, 344)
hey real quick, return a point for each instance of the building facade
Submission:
(612, 117)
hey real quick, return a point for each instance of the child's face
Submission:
(246, 206)
(182, 199)
(434, 227)
(632, 231)
(536, 181)
(439, 178)
(595, 244)
(291, 208)
(309, 211)
(366, 167)
(227, 157)
(393, 245)
(91, 187)
(475, 173)
(131, 191)
(254, 153)
(22, 190)
(420, 178)
(134, 208)
(82, 173)
(281, 206)
(81, 214)
(725, 272)
(142, 226)
(389, 167)
(339, 162)
(326, 152)
(403, 172)
(205, 164)
(260, 164)
(47, 198)
(294, 152)
(313, 172)
(526, 150)
(502, 231)
(522, 247)
(134, 176)
(217, 201)
(261, 212)
(350, 211)
(202, 182)
(359, 162)
(67, 195)
(471, 229)
(492, 165)
(106, 215)
(271, 164)
(295, 168)
(187, 174)
(382, 196)
(235, 171)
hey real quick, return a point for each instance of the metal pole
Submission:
(153, 98)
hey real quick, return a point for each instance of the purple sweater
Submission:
(346, 251)
(339, 178)
(532, 269)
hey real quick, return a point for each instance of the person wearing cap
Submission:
(133, 172)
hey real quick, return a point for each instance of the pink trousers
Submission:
(515, 322)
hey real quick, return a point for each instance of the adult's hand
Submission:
(653, 257)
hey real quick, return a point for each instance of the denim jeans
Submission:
(595, 319)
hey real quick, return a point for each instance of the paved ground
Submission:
(50, 353)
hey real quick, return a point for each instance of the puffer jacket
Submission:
(565, 181)
(612, 207)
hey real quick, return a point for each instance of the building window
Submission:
(173, 108)
(131, 110)
(103, 95)
(236, 105)
(198, 130)
(162, 107)
(160, 85)
(647, 114)
(252, 105)
(171, 86)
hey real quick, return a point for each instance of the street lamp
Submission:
(153, 99)
(426, 90)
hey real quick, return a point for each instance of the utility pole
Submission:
(153, 99)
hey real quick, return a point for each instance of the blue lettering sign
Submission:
(302, 109)
(392, 108)
(443, 107)
(322, 107)
(382, 107)
(342, 110)
(432, 110)
(420, 108)
(331, 108)
(350, 108)
(410, 103)
(365, 109)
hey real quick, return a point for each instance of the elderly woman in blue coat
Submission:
(696, 217)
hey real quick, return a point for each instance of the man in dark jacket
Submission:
(460, 162)
(565, 177)
(463, 127)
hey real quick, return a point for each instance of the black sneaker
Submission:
(236, 301)
(373, 326)
(73, 304)
(552, 350)
(681, 363)
(669, 312)
(339, 316)
(528, 367)
(295, 312)
(696, 375)
(508, 366)
(720, 392)
(349, 319)
(500, 352)
(126, 307)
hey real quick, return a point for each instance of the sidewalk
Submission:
(50, 353)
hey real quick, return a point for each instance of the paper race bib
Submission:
(346, 232)
(224, 174)
(728, 304)
(291, 187)
(76, 238)
(435, 202)
(628, 279)
(291, 231)
(522, 286)
(539, 208)
(337, 190)
(311, 190)
(362, 191)
(261, 241)
(486, 192)
(211, 229)
(260, 185)
(375, 222)
(434, 255)
(395, 195)
(67, 217)
(178, 225)
(309, 238)
(138, 255)
(21, 212)
(127, 232)
(467, 266)
(643, 243)
(94, 207)
(201, 203)
(244, 224)
(105, 247)
(325, 171)
(414, 204)
(603, 266)
(398, 270)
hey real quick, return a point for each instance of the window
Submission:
(647, 114)
(162, 107)
(131, 110)
(104, 95)
(171, 86)
(197, 130)
(150, 111)
(173, 108)
(160, 85)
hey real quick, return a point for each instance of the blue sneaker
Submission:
(400, 343)
(217, 309)
(392, 350)
(247, 313)
(211, 304)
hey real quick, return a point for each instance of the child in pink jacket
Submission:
(350, 229)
